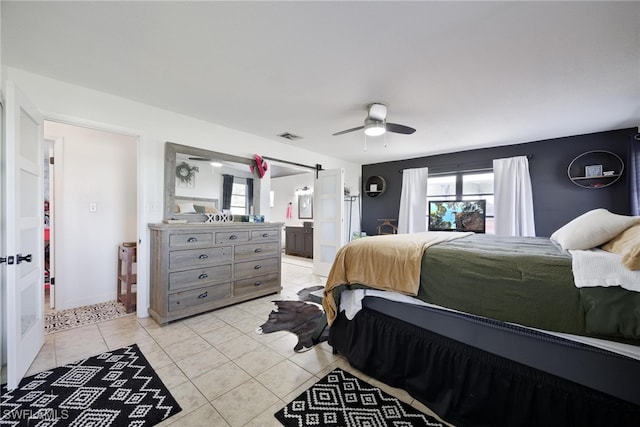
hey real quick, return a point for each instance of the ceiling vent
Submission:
(290, 136)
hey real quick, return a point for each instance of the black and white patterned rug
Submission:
(61, 320)
(340, 399)
(115, 388)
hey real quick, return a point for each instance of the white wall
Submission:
(66, 102)
(98, 167)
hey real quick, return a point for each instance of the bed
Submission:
(195, 205)
(488, 330)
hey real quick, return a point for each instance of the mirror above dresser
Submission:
(196, 180)
(207, 264)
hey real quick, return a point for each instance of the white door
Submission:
(3, 259)
(328, 224)
(23, 229)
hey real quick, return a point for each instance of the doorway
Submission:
(92, 199)
(292, 192)
(48, 191)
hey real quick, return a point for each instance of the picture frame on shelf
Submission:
(593, 171)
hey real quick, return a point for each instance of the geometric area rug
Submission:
(61, 320)
(340, 399)
(115, 388)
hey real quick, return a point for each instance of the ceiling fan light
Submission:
(374, 129)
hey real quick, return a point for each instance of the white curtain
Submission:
(513, 197)
(412, 217)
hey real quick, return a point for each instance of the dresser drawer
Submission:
(197, 257)
(256, 268)
(265, 235)
(246, 252)
(199, 277)
(185, 299)
(253, 284)
(191, 239)
(232, 236)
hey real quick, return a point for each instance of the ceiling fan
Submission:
(375, 123)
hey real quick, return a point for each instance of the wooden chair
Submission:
(386, 226)
(127, 256)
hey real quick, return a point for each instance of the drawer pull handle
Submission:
(203, 295)
(258, 283)
(203, 256)
(203, 276)
(192, 239)
(257, 267)
(233, 237)
(265, 235)
(257, 250)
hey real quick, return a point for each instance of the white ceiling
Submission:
(464, 74)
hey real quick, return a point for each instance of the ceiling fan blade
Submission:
(396, 128)
(348, 130)
(199, 159)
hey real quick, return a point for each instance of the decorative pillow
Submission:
(211, 209)
(626, 244)
(620, 243)
(592, 229)
(199, 208)
(186, 208)
(631, 258)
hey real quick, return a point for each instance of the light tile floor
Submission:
(221, 372)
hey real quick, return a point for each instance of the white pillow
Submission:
(186, 208)
(592, 229)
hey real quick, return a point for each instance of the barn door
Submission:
(328, 224)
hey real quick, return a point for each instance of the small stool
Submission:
(127, 255)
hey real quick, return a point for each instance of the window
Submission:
(464, 186)
(239, 197)
(441, 188)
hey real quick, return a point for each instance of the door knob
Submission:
(20, 258)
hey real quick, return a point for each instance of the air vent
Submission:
(290, 136)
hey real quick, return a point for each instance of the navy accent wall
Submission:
(556, 199)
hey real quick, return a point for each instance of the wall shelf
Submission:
(375, 186)
(595, 169)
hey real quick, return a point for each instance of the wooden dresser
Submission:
(201, 267)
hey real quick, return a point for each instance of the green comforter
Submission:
(526, 281)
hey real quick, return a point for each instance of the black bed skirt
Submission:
(467, 386)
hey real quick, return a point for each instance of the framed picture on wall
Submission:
(593, 170)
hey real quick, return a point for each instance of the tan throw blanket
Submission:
(389, 263)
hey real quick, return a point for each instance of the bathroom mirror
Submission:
(305, 206)
(199, 181)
